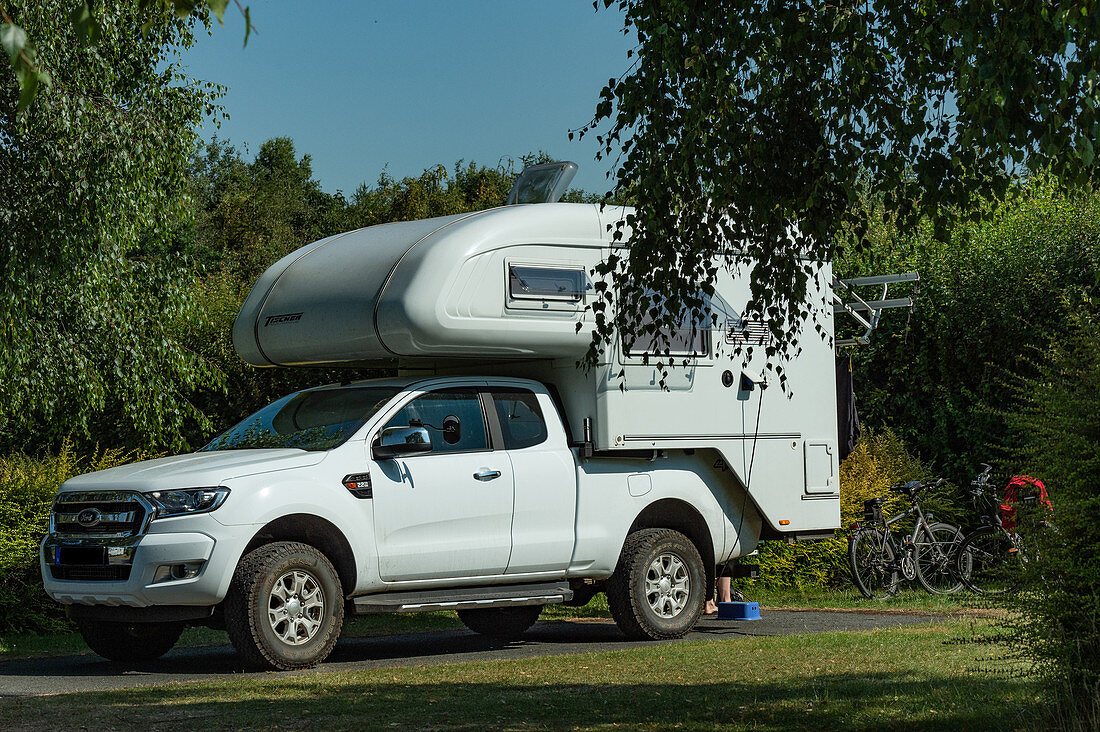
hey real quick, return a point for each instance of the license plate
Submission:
(80, 555)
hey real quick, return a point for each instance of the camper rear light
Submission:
(784, 522)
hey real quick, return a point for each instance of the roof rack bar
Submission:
(897, 302)
(882, 279)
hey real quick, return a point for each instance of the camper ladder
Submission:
(867, 312)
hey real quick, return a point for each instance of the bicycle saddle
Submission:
(908, 489)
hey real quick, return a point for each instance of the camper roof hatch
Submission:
(544, 183)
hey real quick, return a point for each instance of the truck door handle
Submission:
(486, 474)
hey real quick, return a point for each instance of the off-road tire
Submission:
(129, 642)
(250, 597)
(505, 623)
(626, 589)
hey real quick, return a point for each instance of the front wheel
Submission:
(936, 546)
(989, 562)
(285, 607)
(659, 585)
(129, 642)
(871, 559)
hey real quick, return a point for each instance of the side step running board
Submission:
(464, 598)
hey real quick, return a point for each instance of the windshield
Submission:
(307, 420)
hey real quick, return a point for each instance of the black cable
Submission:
(752, 458)
(748, 474)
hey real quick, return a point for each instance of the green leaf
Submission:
(28, 92)
(247, 25)
(13, 38)
(183, 8)
(1084, 145)
(217, 7)
(87, 27)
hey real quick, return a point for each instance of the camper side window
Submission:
(438, 411)
(688, 342)
(520, 418)
(528, 282)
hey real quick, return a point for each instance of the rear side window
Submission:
(520, 418)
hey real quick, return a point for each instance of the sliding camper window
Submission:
(520, 417)
(531, 282)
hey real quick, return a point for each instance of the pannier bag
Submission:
(1022, 488)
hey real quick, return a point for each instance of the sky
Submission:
(364, 87)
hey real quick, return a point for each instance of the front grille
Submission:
(91, 573)
(101, 514)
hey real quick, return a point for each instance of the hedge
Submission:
(27, 488)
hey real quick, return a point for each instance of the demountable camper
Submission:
(501, 292)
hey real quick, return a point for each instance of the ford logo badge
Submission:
(89, 517)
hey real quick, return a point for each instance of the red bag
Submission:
(1012, 497)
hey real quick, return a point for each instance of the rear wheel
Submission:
(872, 562)
(129, 642)
(508, 623)
(989, 562)
(936, 548)
(659, 586)
(285, 607)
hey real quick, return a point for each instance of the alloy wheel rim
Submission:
(667, 585)
(296, 607)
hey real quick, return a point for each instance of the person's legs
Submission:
(723, 592)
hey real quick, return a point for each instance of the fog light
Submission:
(182, 571)
(190, 570)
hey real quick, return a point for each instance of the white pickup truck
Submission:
(379, 496)
(493, 478)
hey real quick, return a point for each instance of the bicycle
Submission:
(877, 558)
(991, 559)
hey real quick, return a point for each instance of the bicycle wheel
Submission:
(872, 562)
(936, 545)
(989, 562)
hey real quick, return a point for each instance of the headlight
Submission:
(188, 501)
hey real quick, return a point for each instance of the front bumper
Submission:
(122, 572)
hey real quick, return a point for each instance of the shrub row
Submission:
(27, 487)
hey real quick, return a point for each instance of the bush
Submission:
(1056, 621)
(27, 488)
(990, 295)
(879, 460)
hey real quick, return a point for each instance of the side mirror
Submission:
(396, 441)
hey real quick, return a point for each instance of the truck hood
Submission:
(194, 470)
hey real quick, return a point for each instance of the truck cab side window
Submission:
(436, 409)
(520, 418)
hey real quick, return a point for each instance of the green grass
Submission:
(911, 600)
(913, 677)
